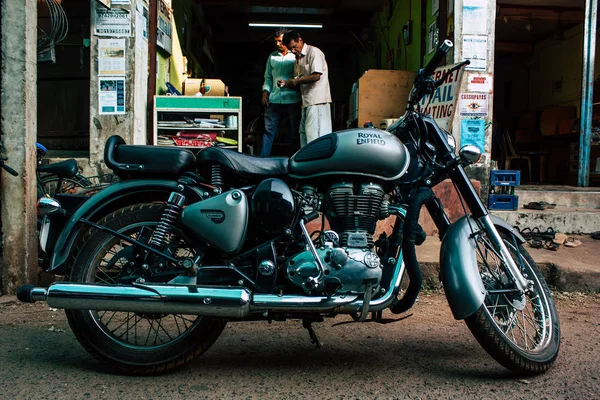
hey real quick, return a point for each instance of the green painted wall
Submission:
(387, 28)
(388, 37)
(171, 67)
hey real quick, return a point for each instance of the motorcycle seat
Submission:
(147, 161)
(244, 165)
(63, 169)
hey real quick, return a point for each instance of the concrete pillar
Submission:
(18, 100)
(131, 126)
(480, 171)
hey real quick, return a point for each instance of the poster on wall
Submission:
(141, 26)
(475, 17)
(473, 104)
(442, 104)
(472, 131)
(164, 34)
(475, 49)
(432, 37)
(111, 57)
(482, 83)
(113, 22)
(111, 95)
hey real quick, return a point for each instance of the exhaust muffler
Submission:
(160, 299)
(225, 302)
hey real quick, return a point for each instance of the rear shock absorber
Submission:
(169, 218)
(216, 176)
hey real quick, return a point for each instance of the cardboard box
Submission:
(212, 87)
(383, 94)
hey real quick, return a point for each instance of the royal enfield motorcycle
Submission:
(184, 244)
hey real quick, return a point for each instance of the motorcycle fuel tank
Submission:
(221, 220)
(361, 151)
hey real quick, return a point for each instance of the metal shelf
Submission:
(179, 128)
(198, 107)
(196, 147)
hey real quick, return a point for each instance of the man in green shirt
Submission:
(280, 102)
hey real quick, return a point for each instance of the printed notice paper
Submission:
(111, 57)
(472, 132)
(111, 95)
(114, 22)
(475, 49)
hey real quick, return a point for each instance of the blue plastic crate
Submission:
(503, 202)
(505, 178)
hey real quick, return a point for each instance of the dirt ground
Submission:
(428, 356)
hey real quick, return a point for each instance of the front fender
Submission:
(115, 196)
(458, 269)
(458, 265)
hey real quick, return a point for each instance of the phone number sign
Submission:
(114, 22)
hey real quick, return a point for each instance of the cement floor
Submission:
(573, 269)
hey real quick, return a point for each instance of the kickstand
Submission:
(311, 332)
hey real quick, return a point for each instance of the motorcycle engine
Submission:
(346, 253)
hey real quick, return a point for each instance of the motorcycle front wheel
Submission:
(519, 330)
(130, 342)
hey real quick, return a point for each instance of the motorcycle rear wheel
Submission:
(69, 185)
(520, 331)
(134, 343)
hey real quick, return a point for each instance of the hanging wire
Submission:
(59, 27)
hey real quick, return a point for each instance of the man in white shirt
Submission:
(311, 74)
(279, 101)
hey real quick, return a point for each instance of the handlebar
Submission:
(437, 58)
(7, 168)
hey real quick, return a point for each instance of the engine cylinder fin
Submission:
(355, 210)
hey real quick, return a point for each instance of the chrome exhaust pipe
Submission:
(195, 300)
(159, 299)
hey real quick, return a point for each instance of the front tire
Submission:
(520, 331)
(134, 343)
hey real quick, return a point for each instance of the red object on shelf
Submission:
(195, 135)
(193, 142)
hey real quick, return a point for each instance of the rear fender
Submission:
(458, 265)
(115, 196)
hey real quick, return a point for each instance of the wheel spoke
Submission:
(522, 318)
(137, 329)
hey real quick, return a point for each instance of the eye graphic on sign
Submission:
(474, 106)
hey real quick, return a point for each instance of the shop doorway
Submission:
(64, 77)
(537, 91)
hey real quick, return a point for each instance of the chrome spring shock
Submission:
(216, 176)
(169, 217)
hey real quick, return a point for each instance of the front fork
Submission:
(482, 216)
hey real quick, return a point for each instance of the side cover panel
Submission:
(221, 220)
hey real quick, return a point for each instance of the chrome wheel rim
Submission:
(133, 329)
(523, 318)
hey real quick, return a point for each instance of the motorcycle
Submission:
(162, 260)
(57, 184)
(60, 177)
(61, 190)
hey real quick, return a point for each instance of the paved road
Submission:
(428, 356)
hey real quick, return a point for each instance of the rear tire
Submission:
(113, 337)
(69, 185)
(521, 332)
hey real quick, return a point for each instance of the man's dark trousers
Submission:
(274, 113)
